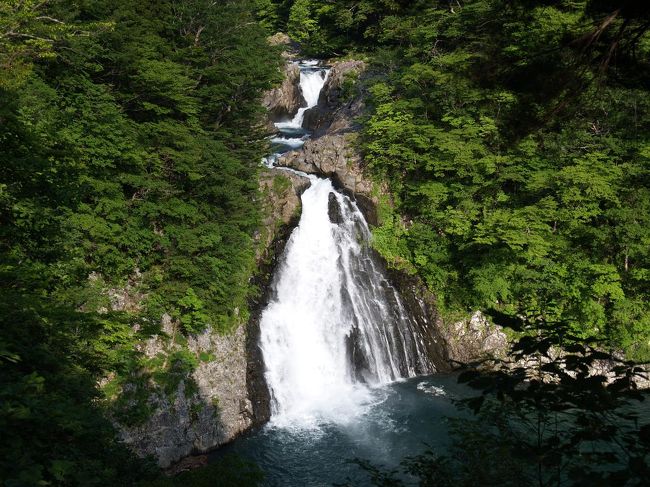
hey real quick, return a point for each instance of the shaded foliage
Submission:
(514, 137)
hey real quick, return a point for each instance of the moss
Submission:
(191, 387)
(207, 357)
(195, 411)
(214, 400)
(129, 399)
(388, 238)
(349, 87)
(180, 365)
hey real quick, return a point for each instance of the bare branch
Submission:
(51, 19)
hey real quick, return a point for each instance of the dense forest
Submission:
(130, 145)
(514, 136)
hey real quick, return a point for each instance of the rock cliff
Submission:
(206, 409)
(286, 99)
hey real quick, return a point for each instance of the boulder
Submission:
(340, 100)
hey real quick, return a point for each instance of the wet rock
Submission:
(357, 358)
(420, 304)
(334, 210)
(333, 156)
(281, 204)
(340, 101)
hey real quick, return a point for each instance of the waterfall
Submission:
(312, 80)
(334, 329)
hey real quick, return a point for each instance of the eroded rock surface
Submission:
(281, 191)
(285, 100)
(475, 338)
(340, 101)
(209, 410)
(334, 156)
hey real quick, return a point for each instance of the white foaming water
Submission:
(334, 327)
(291, 142)
(431, 389)
(312, 80)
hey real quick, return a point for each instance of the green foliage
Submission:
(514, 150)
(177, 367)
(231, 471)
(193, 318)
(130, 155)
(53, 423)
(513, 136)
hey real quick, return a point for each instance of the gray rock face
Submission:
(475, 338)
(333, 156)
(281, 204)
(189, 422)
(340, 100)
(285, 100)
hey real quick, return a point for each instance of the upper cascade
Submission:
(313, 77)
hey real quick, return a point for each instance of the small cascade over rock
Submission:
(292, 135)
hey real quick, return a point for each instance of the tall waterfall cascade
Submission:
(334, 329)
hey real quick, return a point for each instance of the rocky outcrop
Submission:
(474, 338)
(206, 409)
(334, 156)
(285, 100)
(282, 205)
(341, 100)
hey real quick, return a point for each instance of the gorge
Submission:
(334, 322)
(341, 351)
(274, 229)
